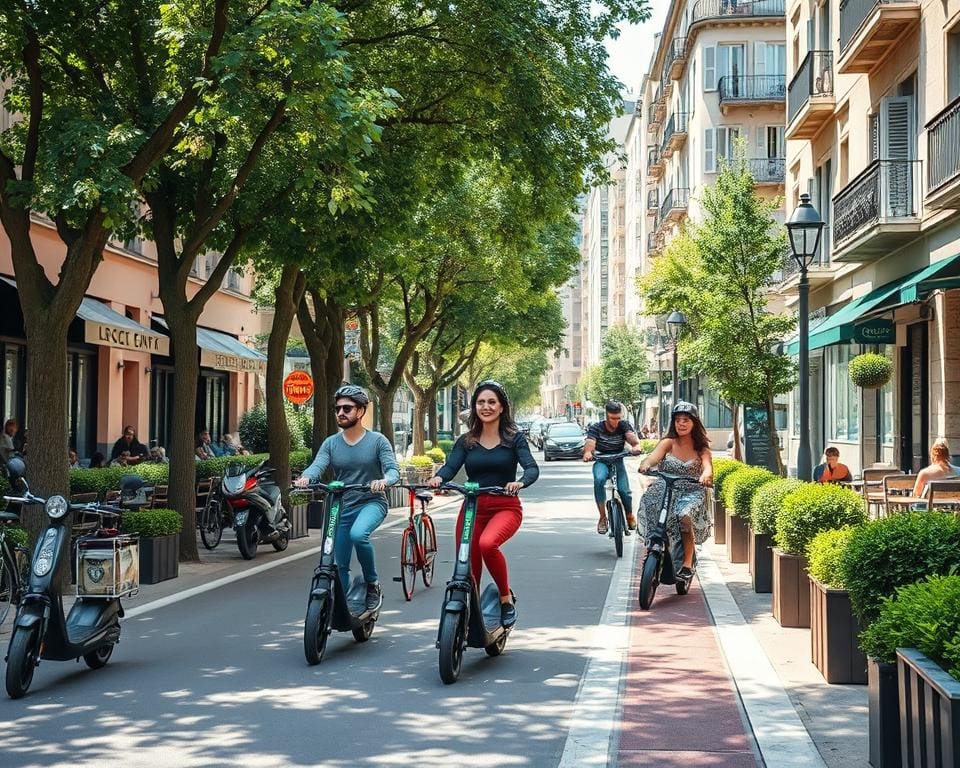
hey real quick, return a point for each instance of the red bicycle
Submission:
(418, 548)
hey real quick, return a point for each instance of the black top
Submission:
(492, 466)
(136, 449)
(606, 441)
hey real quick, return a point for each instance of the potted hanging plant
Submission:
(870, 370)
(159, 531)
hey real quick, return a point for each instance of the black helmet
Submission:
(496, 386)
(353, 392)
(683, 406)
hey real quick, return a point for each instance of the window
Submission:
(716, 413)
(843, 420)
(723, 61)
(885, 403)
(770, 59)
(953, 64)
(719, 143)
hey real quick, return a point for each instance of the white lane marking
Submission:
(780, 734)
(596, 709)
(186, 594)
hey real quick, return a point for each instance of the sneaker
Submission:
(508, 614)
(374, 597)
(685, 573)
(631, 521)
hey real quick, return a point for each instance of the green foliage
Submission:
(427, 445)
(445, 445)
(812, 508)
(253, 428)
(623, 366)
(4, 490)
(740, 486)
(517, 368)
(825, 555)
(767, 502)
(894, 551)
(17, 536)
(925, 616)
(870, 370)
(436, 455)
(723, 468)
(647, 446)
(150, 523)
(300, 460)
(420, 462)
(299, 497)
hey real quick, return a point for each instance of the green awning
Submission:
(838, 327)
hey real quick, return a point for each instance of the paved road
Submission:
(220, 679)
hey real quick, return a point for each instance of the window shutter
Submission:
(759, 58)
(874, 136)
(709, 152)
(709, 68)
(897, 145)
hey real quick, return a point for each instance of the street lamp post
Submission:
(804, 230)
(675, 324)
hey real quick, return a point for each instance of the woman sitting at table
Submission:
(940, 468)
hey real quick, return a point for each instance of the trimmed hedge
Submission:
(925, 616)
(895, 551)
(253, 427)
(150, 523)
(723, 468)
(825, 554)
(437, 455)
(740, 486)
(445, 445)
(767, 501)
(420, 462)
(647, 445)
(812, 508)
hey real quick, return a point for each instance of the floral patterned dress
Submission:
(687, 500)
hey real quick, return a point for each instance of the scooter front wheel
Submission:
(99, 658)
(22, 660)
(451, 646)
(649, 580)
(316, 629)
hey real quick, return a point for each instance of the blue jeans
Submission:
(354, 531)
(601, 471)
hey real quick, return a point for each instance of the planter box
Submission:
(737, 539)
(929, 712)
(159, 558)
(315, 514)
(791, 590)
(833, 636)
(883, 715)
(298, 520)
(719, 520)
(760, 552)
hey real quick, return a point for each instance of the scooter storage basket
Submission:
(108, 567)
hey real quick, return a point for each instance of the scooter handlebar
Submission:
(492, 490)
(669, 478)
(318, 486)
(29, 498)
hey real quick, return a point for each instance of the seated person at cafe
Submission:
(128, 450)
(205, 449)
(158, 455)
(73, 462)
(832, 471)
(939, 468)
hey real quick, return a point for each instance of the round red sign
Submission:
(298, 387)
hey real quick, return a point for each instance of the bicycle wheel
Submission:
(9, 586)
(649, 580)
(428, 537)
(615, 519)
(408, 562)
(452, 634)
(211, 525)
(315, 629)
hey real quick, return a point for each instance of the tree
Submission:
(623, 365)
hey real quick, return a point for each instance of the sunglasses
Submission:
(344, 408)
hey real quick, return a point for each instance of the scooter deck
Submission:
(493, 630)
(355, 614)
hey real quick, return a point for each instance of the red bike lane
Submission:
(679, 704)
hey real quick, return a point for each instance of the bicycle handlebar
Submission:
(612, 456)
(493, 490)
(318, 486)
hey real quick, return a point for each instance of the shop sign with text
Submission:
(224, 362)
(125, 338)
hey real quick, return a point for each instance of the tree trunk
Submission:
(737, 452)
(385, 401)
(432, 418)
(287, 297)
(322, 330)
(421, 404)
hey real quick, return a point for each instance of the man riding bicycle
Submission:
(609, 436)
(357, 456)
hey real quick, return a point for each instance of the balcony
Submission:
(655, 163)
(870, 30)
(943, 158)
(819, 273)
(810, 99)
(751, 91)
(677, 58)
(654, 118)
(653, 200)
(655, 243)
(878, 212)
(768, 170)
(674, 135)
(732, 10)
(675, 204)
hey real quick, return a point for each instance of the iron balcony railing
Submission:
(654, 242)
(677, 198)
(814, 78)
(853, 14)
(653, 199)
(752, 88)
(676, 124)
(768, 169)
(653, 157)
(943, 147)
(714, 9)
(678, 50)
(886, 190)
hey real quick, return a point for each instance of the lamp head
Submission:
(803, 231)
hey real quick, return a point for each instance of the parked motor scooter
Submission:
(258, 513)
(92, 627)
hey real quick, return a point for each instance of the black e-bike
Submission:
(329, 606)
(616, 517)
(41, 629)
(468, 619)
(664, 558)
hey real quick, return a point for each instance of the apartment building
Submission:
(873, 135)
(559, 385)
(716, 76)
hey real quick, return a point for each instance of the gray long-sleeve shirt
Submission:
(371, 458)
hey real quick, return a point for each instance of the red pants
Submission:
(497, 519)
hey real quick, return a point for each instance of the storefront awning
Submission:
(223, 352)
(838, 327)
(109, 328)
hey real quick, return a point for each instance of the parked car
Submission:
(524, 426)
(535, 431)
(563, 440)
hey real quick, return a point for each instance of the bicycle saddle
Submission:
(424, 496)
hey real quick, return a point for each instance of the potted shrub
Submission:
(446, 446)
(919, 630)
(806, 511)
(722, 468)
(422, 467)
(834, 628)
(299, 504)
(437, 456)
(764, 507)
(738, 490)
(870, 370)
(881, 556)
(159, 536)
